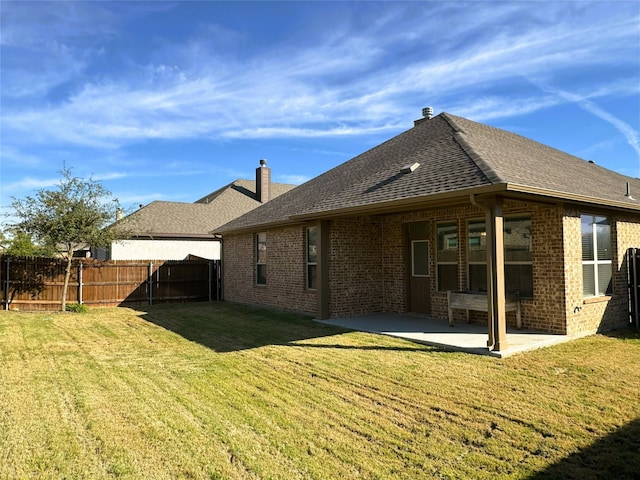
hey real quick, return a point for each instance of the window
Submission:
(447, 257)
(477, 256)
(420, 258)
(596, 255)
(518, 265)
(261, 258)
(518, 260)
(312, 257)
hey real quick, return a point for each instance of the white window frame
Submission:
(594, 261)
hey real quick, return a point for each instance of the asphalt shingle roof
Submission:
(199, 219)
(455, 155)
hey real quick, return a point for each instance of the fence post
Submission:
(150, 283)
(210, 278)
(80, 283)
(6, 286)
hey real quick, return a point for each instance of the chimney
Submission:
(263, 182)
(119, 214)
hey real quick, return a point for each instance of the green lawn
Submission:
(214, 390)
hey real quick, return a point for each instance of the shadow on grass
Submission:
(615, 456)
(226, 327)
(629, 333)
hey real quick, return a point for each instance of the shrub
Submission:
(77, 308)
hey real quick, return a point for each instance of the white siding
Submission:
(164, 249)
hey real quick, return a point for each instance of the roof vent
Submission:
(628, 195)
(427, 112)
(409, 168)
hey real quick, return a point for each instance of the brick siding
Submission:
(591, 315)
(286, 277)
(368, 267)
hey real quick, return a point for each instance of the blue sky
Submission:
(171, 100)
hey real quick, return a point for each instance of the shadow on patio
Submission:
(470, 338)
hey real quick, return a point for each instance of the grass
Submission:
(219, 391)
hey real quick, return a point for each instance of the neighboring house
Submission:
(176, 230)
(395, 228)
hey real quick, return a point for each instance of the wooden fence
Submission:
(31, 283)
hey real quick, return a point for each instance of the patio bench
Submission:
(478, 303)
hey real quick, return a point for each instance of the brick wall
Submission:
(357, 281)
(590, 315)
(368, 267)
(286, 271)
(545, 311)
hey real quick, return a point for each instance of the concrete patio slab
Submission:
(470, 338)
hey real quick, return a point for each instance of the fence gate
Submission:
(633, 264)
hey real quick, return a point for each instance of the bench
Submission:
(478, 303)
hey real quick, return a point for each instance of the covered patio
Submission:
(462, 337)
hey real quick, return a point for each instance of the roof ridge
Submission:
(216, 193)
(476, 158)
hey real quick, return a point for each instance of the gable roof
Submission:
(162, 219)
(457, 157)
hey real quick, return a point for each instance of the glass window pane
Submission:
(261, 274)
(603, 241)
(519, 280)
(312, 246)
(517, 239)
(447, 278)
(604, 279)
(477, 278)
(311, 276)
(261, 247)
(420, 258)
(587, 237)
(477, 242)
(588, 280)
(448, 243)
(262, 253)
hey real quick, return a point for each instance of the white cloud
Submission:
(327, 89)
(630, 134)
(29, 183)
(293, 179)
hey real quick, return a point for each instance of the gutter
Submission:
(575, 197)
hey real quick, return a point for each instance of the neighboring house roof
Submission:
(457, 157)
(161, 219)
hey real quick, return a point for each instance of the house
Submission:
(448, 205)
(176, 230)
